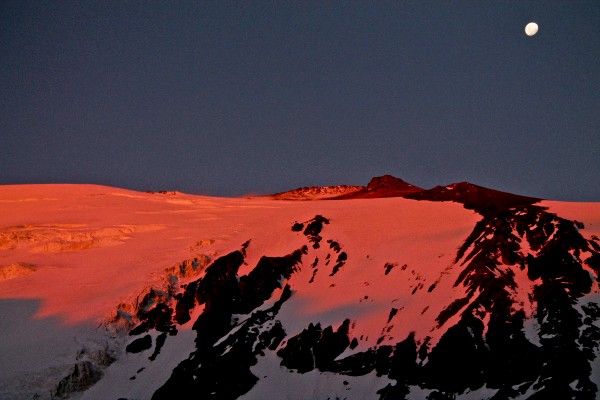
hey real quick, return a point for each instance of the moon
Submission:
(531, 29)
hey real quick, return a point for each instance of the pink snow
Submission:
(70, 254)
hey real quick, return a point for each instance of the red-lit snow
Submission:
(69, 254)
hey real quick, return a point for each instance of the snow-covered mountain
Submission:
(456, 292)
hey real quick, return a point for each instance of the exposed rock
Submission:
(160, 341)
(383, 186)
(16, 270)
(339, 263)
(316, 192)
(139, 345)
(483, 200)
(259, 284)
(100, 356)
(315, 348)
(84, 374)
(389, 267)
(314, 228)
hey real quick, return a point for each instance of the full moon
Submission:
(531, 29)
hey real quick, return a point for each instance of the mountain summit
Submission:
(378, 187)
(390, 182)
(383, 186)
(479, 198)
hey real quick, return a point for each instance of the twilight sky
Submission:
(231, 98)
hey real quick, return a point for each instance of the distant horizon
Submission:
(230, 98)
(256, 193)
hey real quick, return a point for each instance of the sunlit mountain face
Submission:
(384, 291)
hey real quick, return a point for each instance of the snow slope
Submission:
(78, 261)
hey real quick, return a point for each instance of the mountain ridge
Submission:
(479, 198)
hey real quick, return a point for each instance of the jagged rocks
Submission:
(223, 294)
(339, 263)
(555, 262)
(313, 229)
(185, 302)
(154, 306)
(160, 342)
(258, 285)
(315, 348)
(218, 291)
(84, 374)
(223, 370)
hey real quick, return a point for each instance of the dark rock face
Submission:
(223, 370)
(389, 267)
(383, 186)
(391, 182)
(160, 341)
(154, 312)
(84, 375)
(210, 367)
(139, 345)
(483, 200)
(218, 291)
(315, 348)
(258, 285)
(339, 263)
(313, 229)
(457, 362)
(510, 358)
(185, 302)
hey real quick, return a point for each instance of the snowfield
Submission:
(75, 261)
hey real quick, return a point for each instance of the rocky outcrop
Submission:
(152, 308)
(211, 366)
(481, 199)
(317, 192)
(83, 375)
(383, 186)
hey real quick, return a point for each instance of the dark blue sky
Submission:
(230, 98)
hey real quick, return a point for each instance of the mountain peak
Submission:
(391, 182)
(383, 186)
(483, 200)
(379, 186)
